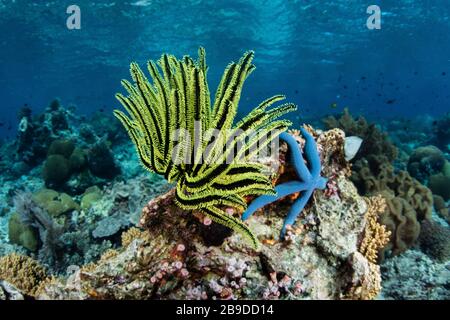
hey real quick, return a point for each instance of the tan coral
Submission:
(23, 272)
(366, 279)
(375, 236)
(131, 234)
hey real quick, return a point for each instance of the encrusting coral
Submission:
(23, 272)
(179, 134)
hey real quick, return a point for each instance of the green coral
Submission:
(62, 147)
(56, 170)
(55, 203)
(178, 102)
(22, 234)
(77, 160)
(439, 184)
(90, 196)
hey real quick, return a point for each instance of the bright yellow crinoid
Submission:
(178, 133)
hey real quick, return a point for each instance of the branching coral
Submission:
(23, 272)
(375, 236)
(366, 279)
(176, 107)
(309, 179)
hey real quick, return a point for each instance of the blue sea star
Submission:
(309, 179)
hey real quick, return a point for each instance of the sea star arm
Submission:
(297, 159)
(311, 153)
(282, 190)
(296, 209)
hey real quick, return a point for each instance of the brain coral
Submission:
(439, 184)
(56, 170)
(435, 240)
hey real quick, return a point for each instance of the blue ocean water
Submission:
(318, 53)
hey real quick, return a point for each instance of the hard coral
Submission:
(101, 161)
(54, 203)
(23, 272)
(22, 234)
(426, 161)
(435, 240)
(441, 208)
(375, 236)
(56, 170)
(439, 184)
(62, 147)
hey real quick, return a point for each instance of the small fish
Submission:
(351, 146)
(333, 105)
(444, 73)
(1, 124)
(390, 101)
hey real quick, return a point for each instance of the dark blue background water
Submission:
(315, 52)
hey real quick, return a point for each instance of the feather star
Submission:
(309, 179)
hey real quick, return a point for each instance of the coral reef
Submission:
(9, 292)
(54, 203)
(320, 258)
